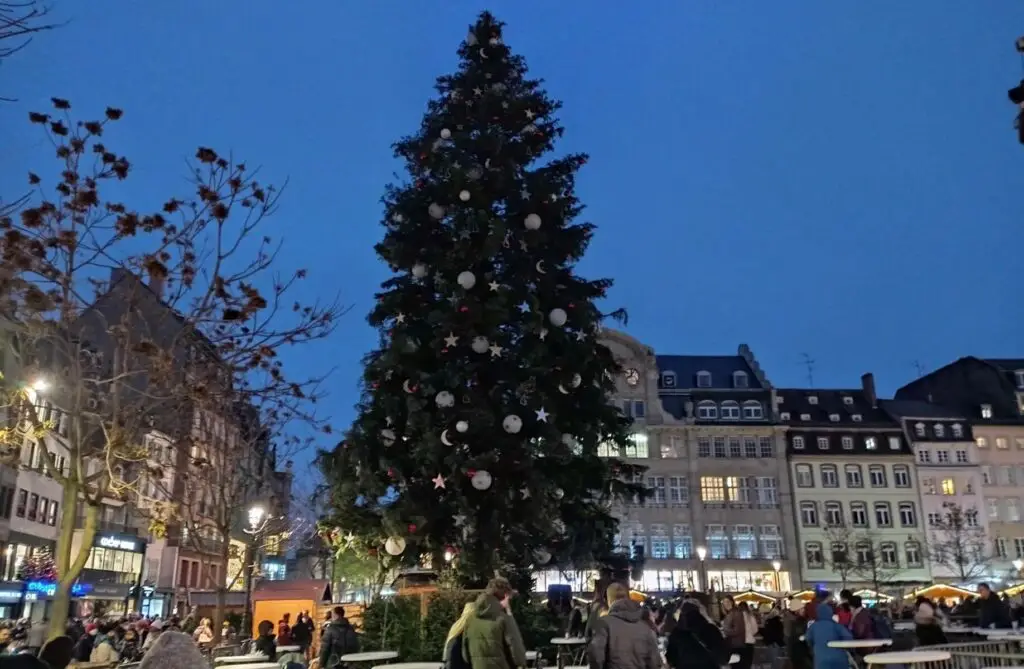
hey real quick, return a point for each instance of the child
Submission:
(820, 633)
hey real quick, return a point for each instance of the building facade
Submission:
(855, 495)
(719, 513)
(990, 394)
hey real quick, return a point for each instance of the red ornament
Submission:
(391, 473)
(423, 156)
(463, 309)
(412, 528)
(470, 473)
(572, 306)
(444, 350)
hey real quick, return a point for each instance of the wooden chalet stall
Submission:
(951, 593)
(272, 599)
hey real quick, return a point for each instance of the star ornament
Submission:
(494, 286)
(451, 340)
(542, 415)
(400, 318)
(496, 350)
(438, 482)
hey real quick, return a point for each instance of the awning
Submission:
(754, 596)
(804, 595)
(942, 590)
(867, 593)
(311, 589)
(1013, 590)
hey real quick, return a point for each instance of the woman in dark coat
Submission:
(695, 643)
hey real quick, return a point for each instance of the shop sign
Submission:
(121, 543)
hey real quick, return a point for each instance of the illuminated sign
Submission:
(10, 594)
(117, 543)
(35, 589)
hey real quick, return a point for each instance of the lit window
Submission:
(940, 430)
(1002, 443)
(712, 489)
(958, 431)
(870, 443)
(981, 442)
(986, 410)
(637, 446)
(823, 443)
(948, 487)
(894, 443)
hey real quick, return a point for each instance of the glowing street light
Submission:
(448, 555)
(40, 385)
(1018, 564)
(702, 553)
(256, 514)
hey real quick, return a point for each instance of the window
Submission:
(673, 448)
(814, 555)
(1002, 443)
(833, 514)
(33, 506)
(908, 516)
(1013, 509)
(883, 516)
(971, 518)
(838, 550)
(986, 410)
(668, 379)
(853, 477)
(766, 447)
(948, 487)
(829, 476)
(739, 380)
(784, 415)
(659, 542)
(719, 447)
(749, 447)
(942, 456)
(639, 409)
(1004, 475)
(981, 442)
(637, 446)
(856, 417)
(870, 443)
(1018, 377)
(753, 411)
(889, 556)
(894, 443)
(730, 410)
(823, 443)
(934, 519)
(1001, 547)
(847, 400)
(707, 410)
(736, 489)
(805, 416)
(847, 442)
(798, 443)
(744, 542)
(735, 447)
(44, 509)
(876, 474)
(1018, 547)
(767, 491)
(703, 447)
(918, 429)
(703, 379)
(859, 514)
(52, 520)
(6, 502)
(808, 514)
(682, 542)
(19, 509)
(771, 542)
(961, 457)
(1019, 441)
(657, 489)
(992, 505)
(678, 491)
(924, 456)
(712, 489)
(958, 431)
(928, 485)
(718, 542)
(864, 553)
(940, 430)
(986, 474)
(834, 417)
(812, 399)
(804, 477)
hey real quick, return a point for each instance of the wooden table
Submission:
(908, 657)
(573, 658)
(241, 659)
(371, 656)
(258, 665)
(411, 665)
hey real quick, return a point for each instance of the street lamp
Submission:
(40, 385)
(448, 555)
(776, 565)
(702, 552)
(256, 514)
(1018, 564)
(258, 520)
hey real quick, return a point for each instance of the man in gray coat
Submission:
(623, 639)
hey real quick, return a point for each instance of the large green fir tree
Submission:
(484, 407)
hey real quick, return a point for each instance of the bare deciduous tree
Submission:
(959, 544)
(20, 20)
(143, 327)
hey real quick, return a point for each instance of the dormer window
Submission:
(784, 415)
(919, 429)
(707, 410)
(958, 431)
(847, 400)
(730, 410)
(779, 399)
(834, 417)
(857, 418)
(812, 399)
(739, 380)
(986, 410)
(805, 416)
(753, 410)
(703, 379)
(668, 379)
(1018, 377)
(939, 430)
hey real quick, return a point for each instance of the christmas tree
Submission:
(39, 566)
(483, 409)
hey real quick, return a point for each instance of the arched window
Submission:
(919, 429)
(940, 430)
(707, 410)
(740, 380)
(752, 410)
(730, 410)
(703, 379)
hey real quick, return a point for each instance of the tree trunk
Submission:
(222, 591)
(70, 567)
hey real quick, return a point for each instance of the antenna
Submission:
(809, 364)
(919, 368)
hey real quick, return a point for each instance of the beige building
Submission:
(716, 470)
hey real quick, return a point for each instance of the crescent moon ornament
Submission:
(562, 389)
(540, 267)
(405, 386)
(444, 438)
(483, 53)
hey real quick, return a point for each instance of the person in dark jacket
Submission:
(695, 642)
(57, 653)
(302, 634)
(992, 611)
(83, 648)
(339, 639)
(265, 644)
(927, 627)
(492, 639)
(623, 639)
(860, 623)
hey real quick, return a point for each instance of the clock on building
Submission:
(632, 376)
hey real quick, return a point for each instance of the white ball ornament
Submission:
(387, 436)
(419, 270)
(541, 556)
(467, 279)
(436, 211)
(512, 424)
(474, 173)
(464, 195)
(445, 399)
(480, 344)
(576, 380)
(395, 545)
(532, 222)
(461, 426)
(446, 133)
(558, 317)
(481, 480)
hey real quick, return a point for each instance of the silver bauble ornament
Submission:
(387, 436)
(481, 479)
(436, 211)
(541, 556)
(474, 173)
(446, 133)
(512, 423)
(419, 270)
(558, 317)
(461, 426)
(445, 399)
(532, 222)
(395, 545)
(464, 195)
(576, 380)
(480, 344)
(467, 279)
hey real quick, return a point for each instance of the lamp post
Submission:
(257, 523)
(776, 565)
(702, 552)
(1018, 564)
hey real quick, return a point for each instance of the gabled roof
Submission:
(917, 409)
(821, 404)
(721, 368)
(1006, 364)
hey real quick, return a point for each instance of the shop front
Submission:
(10, 599)
(113, 571)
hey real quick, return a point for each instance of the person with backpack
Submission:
(861, 625)
(339, 639)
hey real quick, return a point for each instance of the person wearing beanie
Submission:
(56, 653)
(174, 649)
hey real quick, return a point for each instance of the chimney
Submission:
(867, 382)
(156, 284)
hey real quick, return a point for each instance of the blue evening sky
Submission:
(833, 178)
